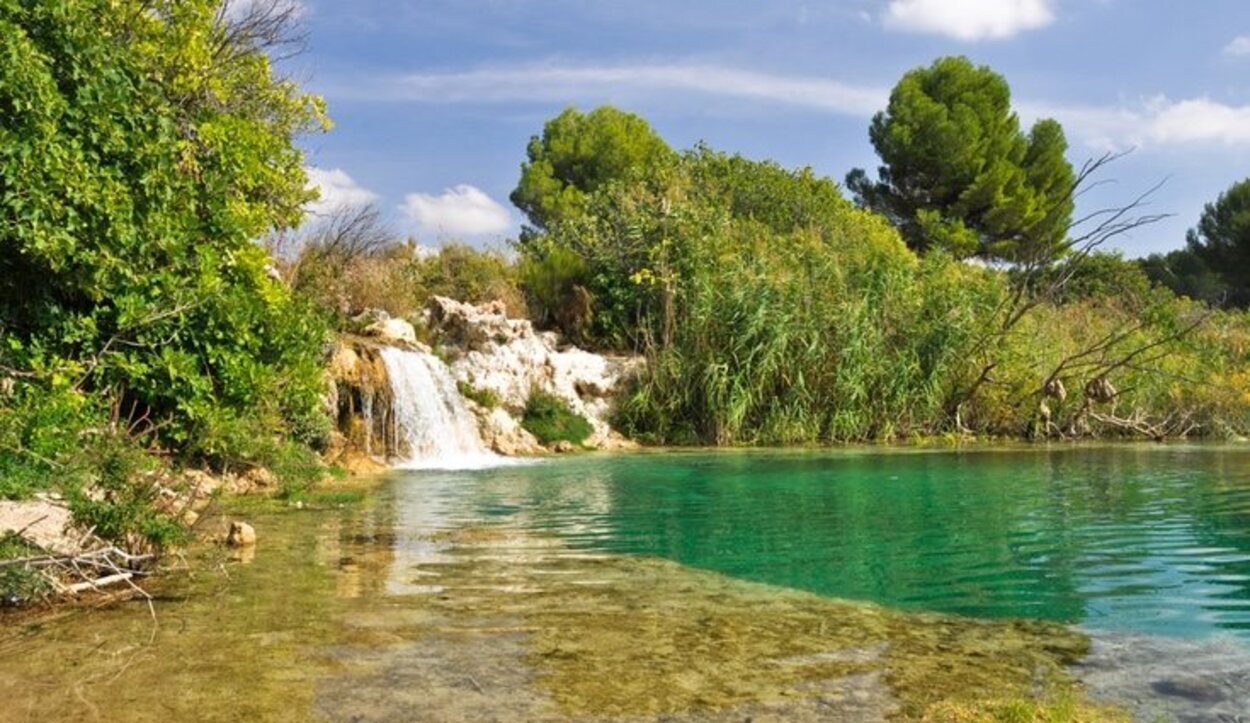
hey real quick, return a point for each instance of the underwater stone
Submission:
(1199, 691)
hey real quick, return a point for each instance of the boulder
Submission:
(201, 484)
(260, 479)
(45, 522)
(393, 331)
(241, 535)
(475, 327)
(503, 434)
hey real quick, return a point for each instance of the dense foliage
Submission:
(550, 420)
(577, 154)
(1186, 274)
(1222, 241)
(141, 153)
(957, 172)
(773, 311)
(397, 276)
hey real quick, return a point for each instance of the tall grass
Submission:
(819, 335)
(842, 334)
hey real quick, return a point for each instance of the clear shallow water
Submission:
(591, 588)
(1145, 539)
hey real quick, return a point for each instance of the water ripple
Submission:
(1143, 539)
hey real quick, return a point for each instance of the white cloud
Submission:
(1238, 46)
(969, 19)
(460, 211)
(338, 190)
(1155, 122)
(564, 84)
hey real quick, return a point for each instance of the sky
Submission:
(434, 101)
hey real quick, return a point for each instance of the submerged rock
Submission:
(1199, 691)
(1164, 678)
(241, 535)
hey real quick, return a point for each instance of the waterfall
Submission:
(431, 426)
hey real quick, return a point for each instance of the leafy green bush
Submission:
(485, 397)
(400, 278)
(116, 499)
(470, 275)
(65, 441)
(19, 584)
(555, 281)
(141, 153)
(550, 420)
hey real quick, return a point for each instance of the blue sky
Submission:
(435, 100)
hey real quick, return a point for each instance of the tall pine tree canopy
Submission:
(1222, 240)
(958, 172)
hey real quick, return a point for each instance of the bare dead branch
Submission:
(273, 27)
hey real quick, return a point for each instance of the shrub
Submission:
(550, 420)
(487, 398)
(19, 584)
(470, 275)
(400, 278)
(144, 146)
(555, 283)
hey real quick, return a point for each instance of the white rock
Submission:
(507, 357)
(392, 331)
(44, 522)
(241, 535)
(505, 435)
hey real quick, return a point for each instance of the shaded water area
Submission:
(832, 585)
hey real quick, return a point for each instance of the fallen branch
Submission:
(99, 582)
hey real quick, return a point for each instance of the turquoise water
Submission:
(1149, 539)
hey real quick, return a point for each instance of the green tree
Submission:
(142, 151)
(780, 198)
(1222, 240)
(577, 154)
(1099, 275)
(1185, 274)
(957, 171)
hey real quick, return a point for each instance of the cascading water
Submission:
(431, 425)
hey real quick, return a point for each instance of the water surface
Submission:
(1150, 539)
(835, 585)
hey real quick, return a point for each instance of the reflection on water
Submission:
(629, 587)
(1148, 539)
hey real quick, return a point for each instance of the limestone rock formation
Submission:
(393, 331)
(509, 358)
(502, 360)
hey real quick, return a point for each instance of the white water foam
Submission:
(431, 422)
